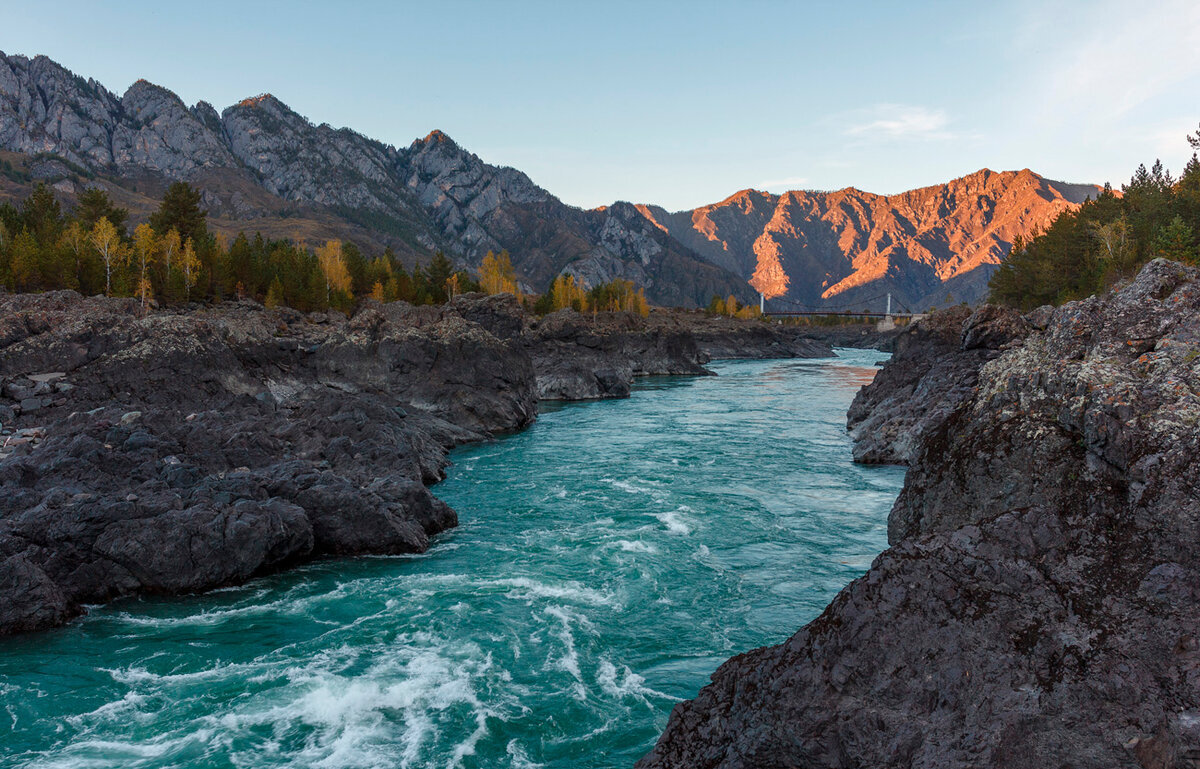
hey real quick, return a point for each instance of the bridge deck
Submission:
(843, 313)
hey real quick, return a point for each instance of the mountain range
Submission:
(260, 166)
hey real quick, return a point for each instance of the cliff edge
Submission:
(1038, 603)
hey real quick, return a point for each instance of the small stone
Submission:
(130, 417)
(46, 377)
(30, 404)
(131, 497)
(190, 418)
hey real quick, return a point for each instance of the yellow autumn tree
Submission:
(169, 247)
(145, 245)
(107, 242)
(377, 291)
(333, 267)
(565, 292)
(496, 274)
(189, 265)
(74, 237)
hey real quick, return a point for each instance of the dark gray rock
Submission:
(165, 469)
(1038, 604)
(933, 369)
(197, 449)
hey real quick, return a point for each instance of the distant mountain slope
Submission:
(261, 166)
(847, 246)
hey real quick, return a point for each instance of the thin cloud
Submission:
(901, 121)
(790, 183)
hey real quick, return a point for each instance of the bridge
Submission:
(887, 317)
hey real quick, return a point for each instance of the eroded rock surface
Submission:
(933, 369)
(189, 449)
(178, 452)
(1038, 604)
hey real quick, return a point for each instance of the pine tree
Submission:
(440, 270)
(26, 270)
(180, 210)
(94, 204)
(42, 215)
(1176, 241)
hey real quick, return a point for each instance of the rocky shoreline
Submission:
(186, 450)
(1038, 603)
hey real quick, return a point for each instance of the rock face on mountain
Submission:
(431, 195)
(933, 370)
(1037, 605)
(260, 165)
(848, 248)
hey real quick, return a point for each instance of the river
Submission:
(607, 560)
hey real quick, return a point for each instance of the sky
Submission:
(682, 103)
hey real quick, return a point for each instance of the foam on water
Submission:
(608, 560)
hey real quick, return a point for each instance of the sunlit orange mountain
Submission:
(929, 246)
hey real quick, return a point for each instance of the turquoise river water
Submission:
(608, 559)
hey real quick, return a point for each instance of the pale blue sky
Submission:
(682, 104)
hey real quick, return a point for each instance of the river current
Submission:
(607, 560)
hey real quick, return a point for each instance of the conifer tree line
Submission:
(1107, 240)
(174, 258)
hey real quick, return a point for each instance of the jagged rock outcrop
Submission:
(578, 358)
(1037, 606)
(934, 369)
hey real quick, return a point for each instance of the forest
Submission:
(174, 258)
(1107, 240)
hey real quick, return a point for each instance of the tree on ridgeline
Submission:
(1107, 239)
